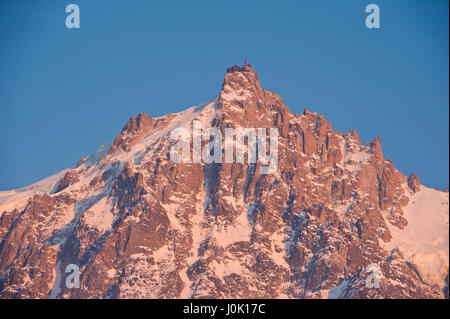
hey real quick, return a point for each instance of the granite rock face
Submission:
(139, 225)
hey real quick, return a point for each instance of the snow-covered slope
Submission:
(425, 239)
(17, 199)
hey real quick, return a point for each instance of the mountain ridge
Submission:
(139, 225)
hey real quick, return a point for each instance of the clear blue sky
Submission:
(63, 93)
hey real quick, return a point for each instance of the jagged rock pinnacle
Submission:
(142, 226)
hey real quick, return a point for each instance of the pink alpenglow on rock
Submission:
(332, 217)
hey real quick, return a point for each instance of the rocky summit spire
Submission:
(241, 78)
(244, 101)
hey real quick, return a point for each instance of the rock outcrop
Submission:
(139, 225)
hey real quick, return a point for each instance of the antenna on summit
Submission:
(245, 61)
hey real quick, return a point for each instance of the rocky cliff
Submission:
(139, 225)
